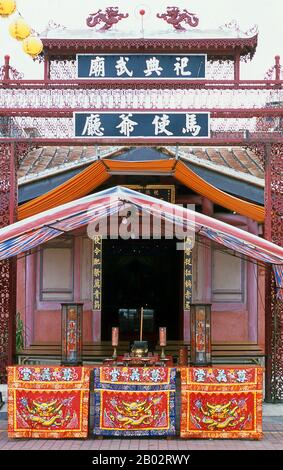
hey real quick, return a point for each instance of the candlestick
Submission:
(115, 340)
(162, 340)
(115, 336)
(162, 336)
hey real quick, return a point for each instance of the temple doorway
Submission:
(141, 273)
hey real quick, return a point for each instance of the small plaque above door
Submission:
(160, 191)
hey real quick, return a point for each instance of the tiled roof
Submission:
(236, 161)
(48, 160)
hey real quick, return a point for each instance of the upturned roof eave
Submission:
(218, 45)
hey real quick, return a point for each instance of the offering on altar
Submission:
(115, 340)
(162, 340)
(115, 336)
(139, 349)
(162, 336)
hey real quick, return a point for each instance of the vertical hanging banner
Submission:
(157, 125)
(97, 272)
(141, 66)
(188, 273)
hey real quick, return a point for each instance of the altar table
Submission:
(53, 401)
(221, 402)
(134, 401)
(153, 360)
(48, 401)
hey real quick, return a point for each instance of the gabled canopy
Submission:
(99, 171)
(31, 232)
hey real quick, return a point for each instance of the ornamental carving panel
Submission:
(7, 267)
(271, 156)
(274, 232)
(177, 18)
(110, 16)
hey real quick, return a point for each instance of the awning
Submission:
(31, 232)
(98, 172)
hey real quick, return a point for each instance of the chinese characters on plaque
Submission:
(97, 272)
(160, 191)
(141, 66)
(188, 274)
(160, 124)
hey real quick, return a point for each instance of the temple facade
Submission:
(114, 278)
(167, 114)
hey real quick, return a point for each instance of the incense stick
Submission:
(141, 324)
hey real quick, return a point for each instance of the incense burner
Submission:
(139, 349)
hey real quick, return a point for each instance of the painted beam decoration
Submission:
(158, 125)
(141, 66)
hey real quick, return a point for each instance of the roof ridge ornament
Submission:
(53, 25)
(109, 17)
(175, 17)
(233, 25)
(7, 72)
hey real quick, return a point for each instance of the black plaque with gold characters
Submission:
(165, 192)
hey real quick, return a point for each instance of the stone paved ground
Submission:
(272, 426)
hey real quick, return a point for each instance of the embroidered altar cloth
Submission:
(48, 402)
(134, 401)
(221, 402)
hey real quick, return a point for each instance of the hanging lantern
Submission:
(19, 29)
(7, 7)
(32, 46)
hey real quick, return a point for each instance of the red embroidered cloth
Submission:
(221, 402)
(48, 402)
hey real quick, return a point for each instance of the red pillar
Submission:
(8, 214)
(237, 60)
(273, 306)
(46, 67)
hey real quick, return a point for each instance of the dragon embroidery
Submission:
(136, 413)
(109, 17)
(220, 416)
(175, 17)
(46, 413)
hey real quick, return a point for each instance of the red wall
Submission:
(229, 326)
(47, 326)
(244, 322)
